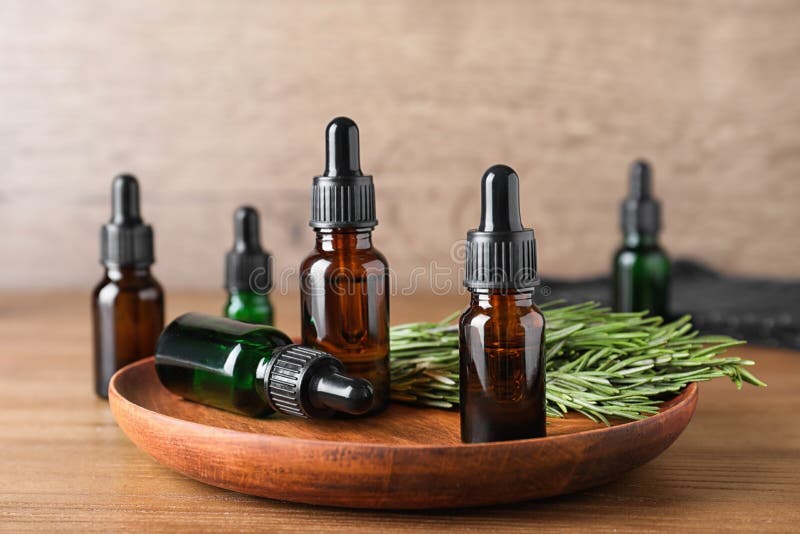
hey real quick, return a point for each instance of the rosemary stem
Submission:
(601, 364)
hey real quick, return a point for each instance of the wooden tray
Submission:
(404, 458)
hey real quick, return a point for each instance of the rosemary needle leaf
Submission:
(601, 364)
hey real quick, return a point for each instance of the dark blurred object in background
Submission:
(759, 310)
(641, 268)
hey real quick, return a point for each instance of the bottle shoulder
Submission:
(105, 290)
(265, 337)
(153, 284)
(360, 258)
(249, 307)
(377, 255)
(636, 253)
(483, 315)
(109, 290)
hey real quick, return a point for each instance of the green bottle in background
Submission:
(248, 272)
(641, 270)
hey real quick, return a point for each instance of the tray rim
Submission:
(384, 475)
(689, 394)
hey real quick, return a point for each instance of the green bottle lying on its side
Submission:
(254, 370)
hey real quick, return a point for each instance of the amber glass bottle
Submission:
(501, 333)
(344, 282)
(128, 303)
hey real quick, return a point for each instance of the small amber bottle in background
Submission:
(128, 303)
(501, 333)
(344, 282)
(248, 272)
(641, 268)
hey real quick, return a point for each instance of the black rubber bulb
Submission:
(500, 200)
(245, 228)
(343, 393)
(125, 200)
(641, 181)
(341, 145)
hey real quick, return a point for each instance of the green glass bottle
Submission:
(248, 306)
(248, 272)
(254, 370)
(641, 270)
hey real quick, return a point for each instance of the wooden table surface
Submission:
(65, 464)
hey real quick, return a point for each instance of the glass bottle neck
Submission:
(343, 239)
(118, 273)
(639, 239)
(261, 376)
(495, 297)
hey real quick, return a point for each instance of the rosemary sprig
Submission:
(600, 363)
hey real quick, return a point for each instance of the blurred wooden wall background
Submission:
(213, 104)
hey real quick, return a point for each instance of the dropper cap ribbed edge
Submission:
(500, 253)
(295, 371)
(640, 211)
(247, 266)
(342, 197)
(126, 241)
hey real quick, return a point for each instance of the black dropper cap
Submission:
(247, 265)
(641, 212)
(126, 241)
(343, 197)
(306, 382)
(501, 253)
